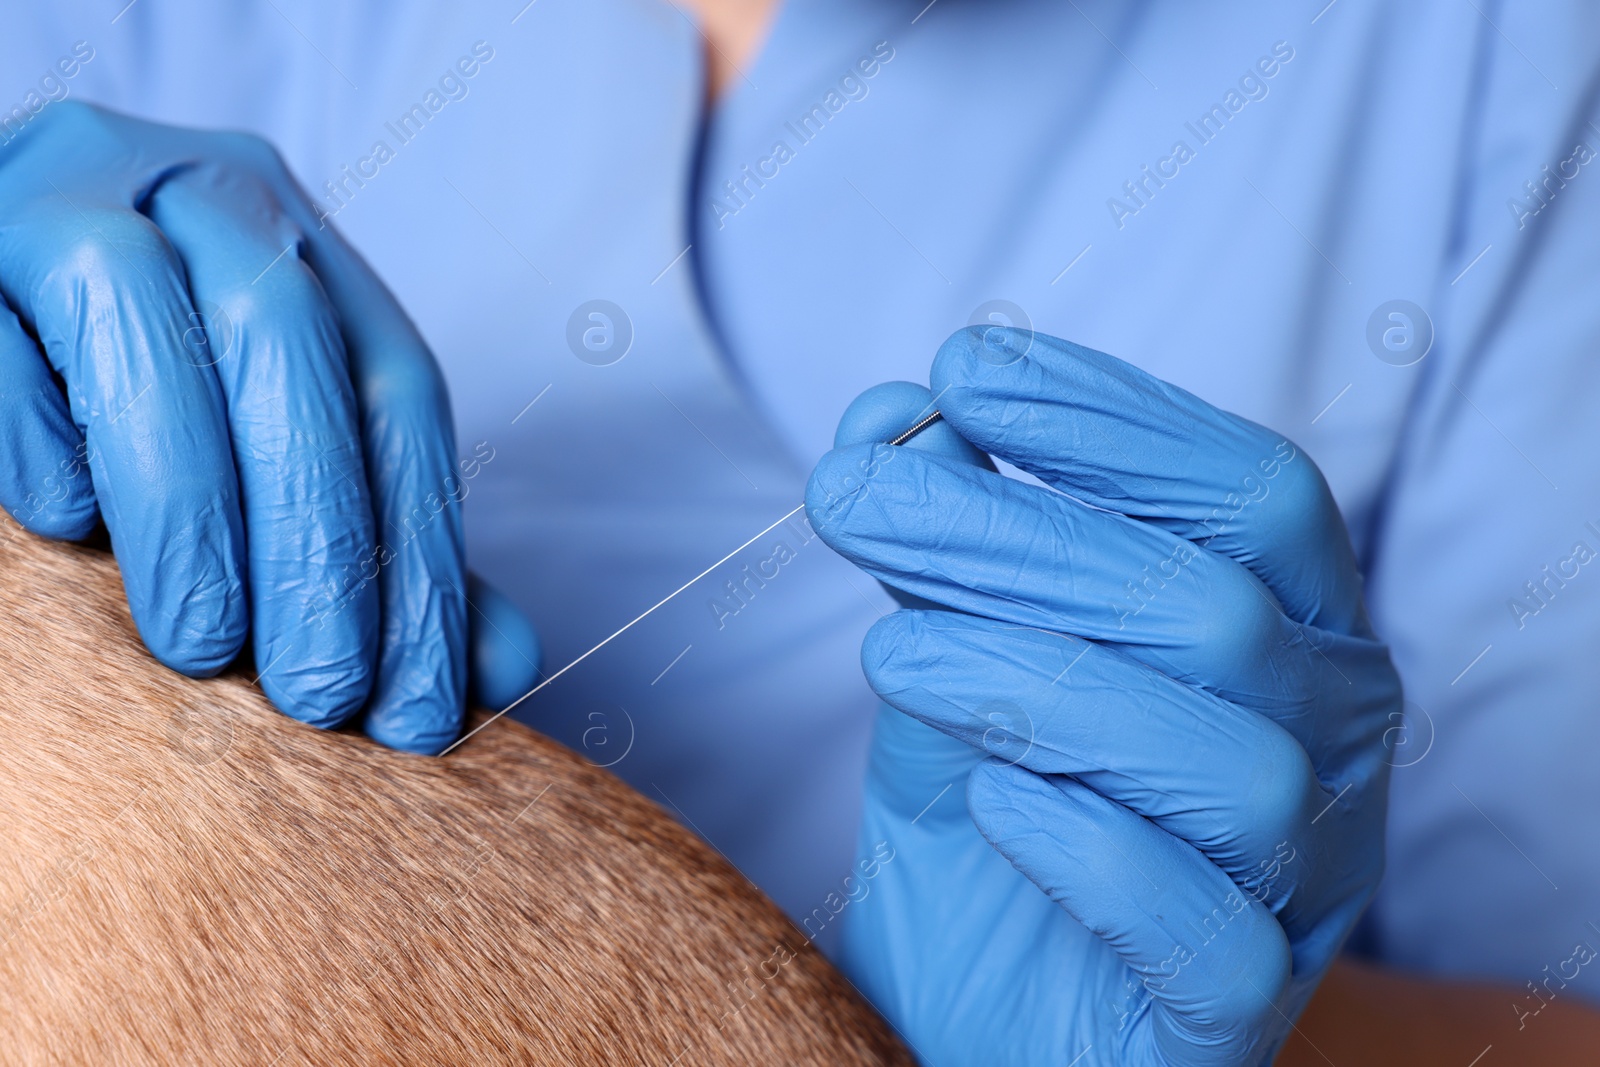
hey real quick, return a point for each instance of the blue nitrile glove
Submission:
(243, 399)
(505, 647)
(1158, 696)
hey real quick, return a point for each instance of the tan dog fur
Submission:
(187, 876)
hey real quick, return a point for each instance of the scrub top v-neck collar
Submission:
(737, 104)
(806, 42)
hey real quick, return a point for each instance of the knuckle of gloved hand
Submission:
(75, 121)
(285, 299)
(249, 309)
(409, 391)
(250, 151)
(1282, 795)
(1282, 481)
(251, 157)
(100, 245)
(1244, 1004)
(1236, 631)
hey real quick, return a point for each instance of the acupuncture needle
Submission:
(900, 439)
(921, 425)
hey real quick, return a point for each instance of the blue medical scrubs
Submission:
(1369, 226)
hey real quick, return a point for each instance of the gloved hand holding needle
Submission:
(1152, 688)
(1130, 740)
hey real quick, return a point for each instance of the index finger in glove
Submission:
(1116, 437)
(105, 294)
(976, 541)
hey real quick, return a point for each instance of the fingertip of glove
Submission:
(883, 647)
(418, 728)
(861, 448)
(886, 411)
(324, 695)
(882, 413)
(915, 639)
(1005, 801)
(974, 353)
(832, 488)
(981, 372)
(196, 654)
(194, 622)
(194, 663)
(419, 695)
(72, 519)
(506, 650)
(995, 777)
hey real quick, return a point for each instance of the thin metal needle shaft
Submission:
(901, 439)
(921, 425)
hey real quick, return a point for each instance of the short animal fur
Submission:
(187, 876)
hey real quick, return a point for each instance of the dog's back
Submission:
(188, 877)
